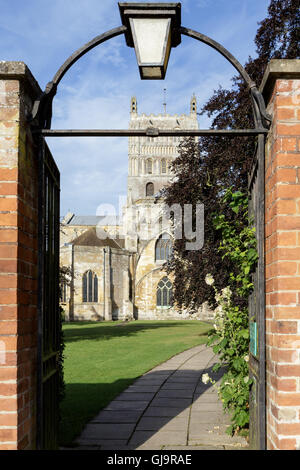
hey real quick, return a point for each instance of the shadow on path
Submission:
(167, 408)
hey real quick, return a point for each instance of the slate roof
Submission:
(93, 220)
(93, 237)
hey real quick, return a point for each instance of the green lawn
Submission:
(102, 359)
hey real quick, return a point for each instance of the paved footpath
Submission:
(168, 408)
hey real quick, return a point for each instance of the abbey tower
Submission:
(120, 275)
(149, 158)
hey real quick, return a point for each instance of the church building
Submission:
(116, 262)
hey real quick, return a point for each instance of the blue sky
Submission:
(96, 91)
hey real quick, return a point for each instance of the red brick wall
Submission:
(282, 256)
(18, 260)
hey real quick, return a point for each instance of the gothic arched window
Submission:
(149, 189)
(164, 293)
(163, 166)
(163, 247)
(89, 287)
(149, 166)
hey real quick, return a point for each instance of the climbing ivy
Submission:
(230, 336)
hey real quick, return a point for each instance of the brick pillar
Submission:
(281, 89)
(18, 259)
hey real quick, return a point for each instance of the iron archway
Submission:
(41, 116)
(40, 121)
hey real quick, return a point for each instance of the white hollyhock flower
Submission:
(226, 292)
(205, 378)
(219, 311)
(209, 279)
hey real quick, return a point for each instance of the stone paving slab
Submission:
(210, 428)
(131, 396)
(161, 372)
(186, 393)
(106, 444)
(127, 405)
(150, 381)
(163, 369)
(200, 403)
(82, 447)
(204, 398)
(206, 406)
(167, 408)
(206, 434)
(192, 374)
(204, 417)
(143, 387)
(115, 445)
(205, 393)
(117, 416)
(172, 402)
(177, 386)
(158, 376)
(160, 438)
(166, 412)
(97, 431)
(175, 379)
(194, 448)
(155, 423)
(217, 439)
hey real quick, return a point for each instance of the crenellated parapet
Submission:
(150, 158)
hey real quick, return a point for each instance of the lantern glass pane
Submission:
(150, 38)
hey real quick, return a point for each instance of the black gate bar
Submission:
(150, 132)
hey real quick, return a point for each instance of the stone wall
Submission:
(112, 269)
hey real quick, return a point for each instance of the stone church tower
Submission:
(150, 237)
(149, 158)
(120, 275)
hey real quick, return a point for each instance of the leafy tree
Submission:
(206, 167)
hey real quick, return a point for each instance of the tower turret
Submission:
(133, 105)
(150, 158)
(193, 104)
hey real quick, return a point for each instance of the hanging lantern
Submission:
(152, 29)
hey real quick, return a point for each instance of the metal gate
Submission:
(49, 324)
(257, 303)
(48, 300)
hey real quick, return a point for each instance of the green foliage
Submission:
(211, 163)
(230, 337)
(65, 275)
(61, 358)
(238, 241)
